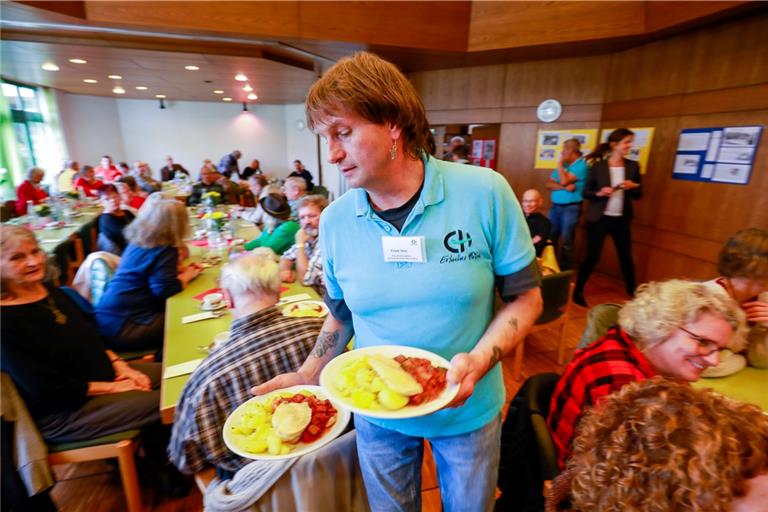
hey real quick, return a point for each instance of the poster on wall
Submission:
(641, 145)
(549, 145)
(484, 153)
(723, 155)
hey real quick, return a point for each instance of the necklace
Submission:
(58, 316)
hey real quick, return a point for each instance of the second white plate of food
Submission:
(306, 308)
(249, 431)
(351, 380)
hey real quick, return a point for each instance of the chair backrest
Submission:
(555, 292)
(8, 210)
(599, 319)
(104, 243)
(538, 396)
(101, 275)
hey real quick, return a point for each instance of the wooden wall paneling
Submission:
(730, 55)
(575, 81)
(660, 15)
(735, 99)
(465, 116)
(462, 88)
(495, 25)
(260, 19)
(517, 144)
(655, 69)
(432, 25)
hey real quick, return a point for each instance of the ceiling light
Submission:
(247, 88)
(78, 61)
(90, 81)
(115, 77)
(241, 77)
(50, 66)
(252, 97)
(141, 88)
(226, 99)
(191, 68)
(118, 90)
(218, 91)
(160, 96)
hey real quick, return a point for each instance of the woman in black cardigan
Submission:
(613, 181)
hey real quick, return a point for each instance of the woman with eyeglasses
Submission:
(674, 329)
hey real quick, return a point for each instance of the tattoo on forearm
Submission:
(495, 356)
(514, 324)
(325, 342)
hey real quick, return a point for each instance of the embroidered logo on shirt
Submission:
(457, 241)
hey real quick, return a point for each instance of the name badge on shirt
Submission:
(411, 249)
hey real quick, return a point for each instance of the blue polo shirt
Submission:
(579, 169)
(474, 230)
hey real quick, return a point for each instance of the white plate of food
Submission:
(371, 382)
(306, 308)
(285, 423)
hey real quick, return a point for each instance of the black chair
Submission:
(528, 457)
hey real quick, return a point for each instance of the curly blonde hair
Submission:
(658, 445)
(660, 308)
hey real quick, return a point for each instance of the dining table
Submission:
(186, 345)
(749, 385)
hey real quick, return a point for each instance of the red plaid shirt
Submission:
(596, 371)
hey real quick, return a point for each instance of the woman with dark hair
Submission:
(112, 221)
(87, 182)
(613, 181)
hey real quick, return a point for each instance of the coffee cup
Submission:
(212, 300)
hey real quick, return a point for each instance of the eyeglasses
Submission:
(705, 345)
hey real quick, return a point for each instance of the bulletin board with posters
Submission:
(722, 155)
(549, 145)
(484, 153)
(641, 146)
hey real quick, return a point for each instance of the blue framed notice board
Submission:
(719, 155)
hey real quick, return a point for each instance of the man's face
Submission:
(569, 153)
(208, 177)
(237, 155)
(110, 202)
(292, 192)
(297, 166)
(531, 202)
(359, 148)
(691, 349)
(143, 169)
(309, 218)
(106, 162)
(255, 164)
(36, 178)
(169, 162)
(75, 166)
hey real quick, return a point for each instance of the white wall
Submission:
(190, 131)
(91, 126)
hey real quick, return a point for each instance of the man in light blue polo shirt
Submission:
(412, 256)
(567, 185)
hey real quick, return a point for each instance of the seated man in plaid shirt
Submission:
(262, 344)
(305, 253)
(673, 328)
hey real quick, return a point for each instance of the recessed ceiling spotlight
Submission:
(191, 68)
(141, 88)
(218, 91)
(160, 96)
(115, 77)
(118, 90)
(241, 77)
(252, 96)
(247, 88)
(90, 81)
(50, 66)
(226, 99)
(78, 61)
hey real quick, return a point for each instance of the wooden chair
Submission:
(122, 446)
(77, 257)
(556, 292)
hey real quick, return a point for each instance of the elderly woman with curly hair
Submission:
(659, 445)
(131, 315)
(673, 328)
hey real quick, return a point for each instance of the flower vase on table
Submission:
(214, 225)
(41, 215)
(211, 199)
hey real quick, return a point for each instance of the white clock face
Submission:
(549, 110)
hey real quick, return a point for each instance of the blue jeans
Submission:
(467, 468)
(564, 218)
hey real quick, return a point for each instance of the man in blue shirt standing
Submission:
(412, 255)
(567, 185)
